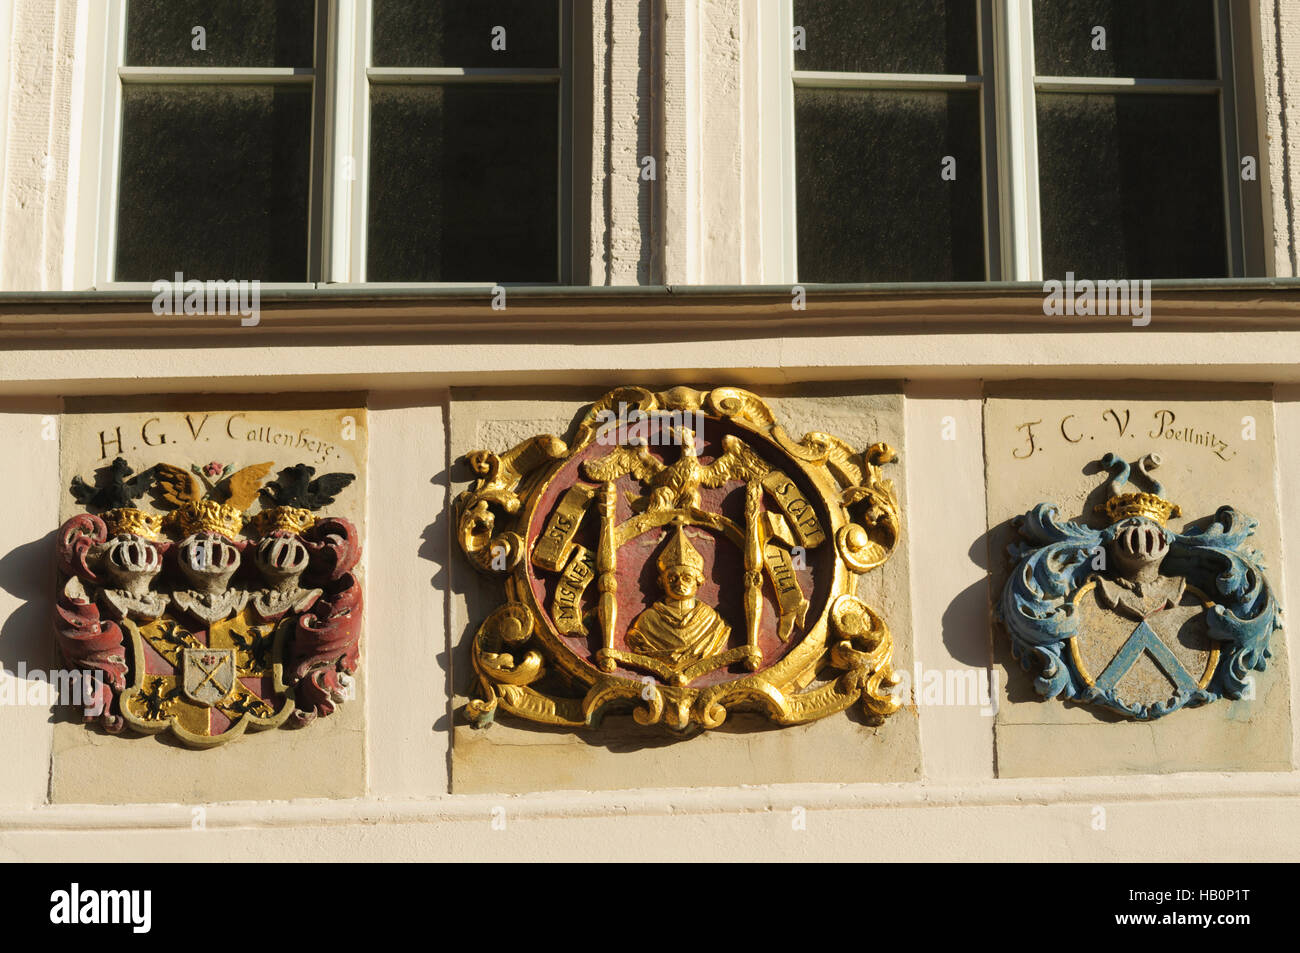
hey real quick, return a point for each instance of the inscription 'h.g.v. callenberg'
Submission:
(204, 620)
(697, 562)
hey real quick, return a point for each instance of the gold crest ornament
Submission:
(680, 556)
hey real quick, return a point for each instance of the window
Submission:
(216, 132)
(465, 141)
(957, 140)
(336, 141)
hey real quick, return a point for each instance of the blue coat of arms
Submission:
(1135, 617)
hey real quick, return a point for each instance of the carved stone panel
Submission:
(208, 574)
(1134, 548)
(676, 561)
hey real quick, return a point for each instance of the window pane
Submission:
(1155, 39)
(1131, 186)
(888, 36)
(462, 33)
(463, 183)
(872, 205)
(235, 32)
(214, 182)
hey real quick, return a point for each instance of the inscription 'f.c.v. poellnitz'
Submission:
(680, 578)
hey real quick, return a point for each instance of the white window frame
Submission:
(1013, 223)
(340, 141)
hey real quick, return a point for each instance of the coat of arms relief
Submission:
(201, 617)
(1135, 617)
(680, 556)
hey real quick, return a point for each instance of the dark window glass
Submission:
(888, 36)
(214, 182)
(463, 183)
(249, 33)
(872, 205)
(1154, 39)
(1131, 186)
(460, 33)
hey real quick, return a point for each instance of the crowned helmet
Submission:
(206, 516)
(1121, 506)
(129, 521)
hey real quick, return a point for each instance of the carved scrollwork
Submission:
(497, 489)
(681, 486)
(870, 539)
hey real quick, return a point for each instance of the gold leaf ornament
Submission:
(613, 599)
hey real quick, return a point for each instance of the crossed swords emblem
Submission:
(221, 661)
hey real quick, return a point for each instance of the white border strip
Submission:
(664, 802)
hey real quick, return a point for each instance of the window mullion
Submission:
(360, 140)
(789, 224)
(339, 68)
(115, 45)
(1232, 197)
(214, 75)
(1123, 84)
(825, 80)
(993, 266)
(1017, 141)
(564, 168)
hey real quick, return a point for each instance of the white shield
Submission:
(209, 675)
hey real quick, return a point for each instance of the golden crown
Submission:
(291, 519)
(680, 552)
(206, 516)
(1125, 505)
(133, 522)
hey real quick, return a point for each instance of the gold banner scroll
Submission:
(796, 506)
(780, 569)
(567, 607)
(553, 545)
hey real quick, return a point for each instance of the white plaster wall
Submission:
(34, 193)
(958, 810)
(627, 236)
(1154, 819)
(1279, 73)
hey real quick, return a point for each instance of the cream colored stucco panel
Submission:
(29, 469)
(1086, 820)
(326, 758)
(949, 585)
(1042, 445)
(515, 756)
(407, 738)
(1286, 411)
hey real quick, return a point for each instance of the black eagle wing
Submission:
(82, 491)
(135, 487)
(322, 490)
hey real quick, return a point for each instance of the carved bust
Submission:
(677, 629)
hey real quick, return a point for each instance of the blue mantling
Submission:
(1056, 558)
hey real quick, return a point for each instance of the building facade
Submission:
(395, 242)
